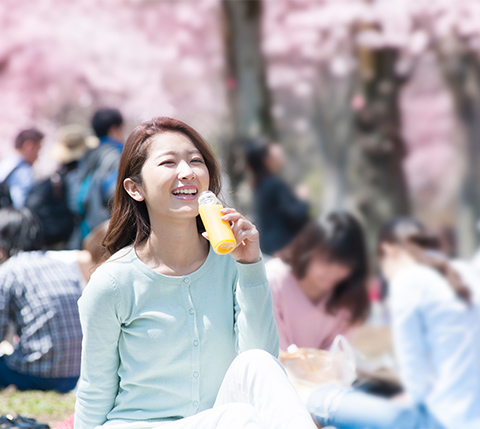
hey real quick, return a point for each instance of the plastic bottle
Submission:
(219, 232)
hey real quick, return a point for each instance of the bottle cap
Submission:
(207, 197)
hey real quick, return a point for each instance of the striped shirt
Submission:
(38, 295)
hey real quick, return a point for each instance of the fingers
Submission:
(242, 228)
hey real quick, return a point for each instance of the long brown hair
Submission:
(130, 223)
(338, 237)
(419, 243)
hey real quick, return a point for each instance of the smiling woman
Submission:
(174, 334)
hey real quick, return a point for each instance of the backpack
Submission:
(5, 198)
(48, 200)
(99, 174)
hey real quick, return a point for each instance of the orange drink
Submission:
(219, 232)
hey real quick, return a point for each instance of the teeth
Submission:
(185, 191)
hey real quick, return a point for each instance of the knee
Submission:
(238, 414)
(256, 358)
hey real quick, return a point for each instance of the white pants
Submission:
(255, 394)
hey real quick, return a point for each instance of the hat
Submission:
(72, 144)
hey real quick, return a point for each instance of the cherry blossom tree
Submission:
(373, 100)
(351, 61)
(60, 60)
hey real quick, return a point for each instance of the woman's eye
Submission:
(167, 162)
(198, 161)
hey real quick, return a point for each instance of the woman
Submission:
(280, 214)
(165, 317)
(436, 327)
(318, 283)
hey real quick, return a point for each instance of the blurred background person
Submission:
(38, 296)
(16, 173)
(319, 282)
(279, 213)
(52, 199)
(98, 170)
(436, 326)
(84, 261)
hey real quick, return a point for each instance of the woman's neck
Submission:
(174, 250)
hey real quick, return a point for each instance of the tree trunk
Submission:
(377, 179)
(462, 73)
(248, 93)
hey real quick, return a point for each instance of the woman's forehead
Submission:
(170, 143)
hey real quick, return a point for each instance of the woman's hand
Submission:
(246, 235)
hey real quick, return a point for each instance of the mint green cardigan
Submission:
(157, 347)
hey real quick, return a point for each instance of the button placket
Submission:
(195, 368)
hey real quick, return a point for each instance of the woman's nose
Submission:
(185, 171)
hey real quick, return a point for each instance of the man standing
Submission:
(16, 170)
(98, 170)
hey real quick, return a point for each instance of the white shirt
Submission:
(437, 344)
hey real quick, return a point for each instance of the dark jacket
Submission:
(280, 215)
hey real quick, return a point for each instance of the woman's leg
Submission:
(256, 378)
(228, 416)
(346, 408)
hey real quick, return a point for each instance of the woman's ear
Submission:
(389, 250)
(3, 256)
(133, 189)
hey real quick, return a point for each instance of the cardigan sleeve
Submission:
(255, 326)
(98, 385)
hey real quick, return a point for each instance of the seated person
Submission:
(319, 282)
(38, 296)
(435, 314)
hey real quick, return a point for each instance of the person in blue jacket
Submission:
(176, 335)
(435, 314)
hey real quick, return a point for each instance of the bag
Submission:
(310, 368)
(48, 200)
(5, 197)
(8, 421)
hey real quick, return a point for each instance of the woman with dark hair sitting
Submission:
(436, 330)
(319, 281)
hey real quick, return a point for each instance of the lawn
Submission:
(45, 407)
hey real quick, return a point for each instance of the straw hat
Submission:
(72, 144)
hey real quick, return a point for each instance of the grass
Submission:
(45, 407)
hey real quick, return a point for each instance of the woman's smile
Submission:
(185, 192)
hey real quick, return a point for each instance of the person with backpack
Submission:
(52, 199)
(98, 170)
(16, 173)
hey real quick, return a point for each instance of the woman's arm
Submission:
(295, 209)
(255, 326)
(99, 381)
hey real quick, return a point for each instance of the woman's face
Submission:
(322, 276)
(275, 159)
(173, 176)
